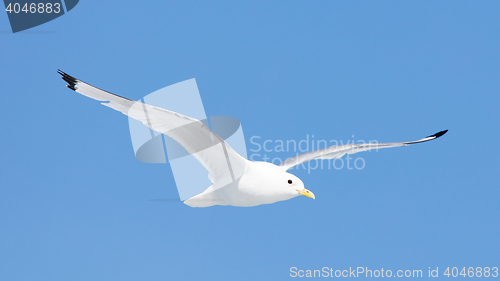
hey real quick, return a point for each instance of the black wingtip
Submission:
(438, 134)
(69, 79)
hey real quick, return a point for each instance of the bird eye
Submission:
(290, 181)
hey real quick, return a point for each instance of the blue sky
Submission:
(75, 203)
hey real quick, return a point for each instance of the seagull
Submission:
(236, 180)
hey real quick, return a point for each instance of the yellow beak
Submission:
(307, 193)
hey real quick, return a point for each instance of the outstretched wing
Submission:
(220, 160)
(338, 151)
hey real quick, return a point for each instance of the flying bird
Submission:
(236, 180)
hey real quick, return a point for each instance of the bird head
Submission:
(295, 186)
(273, 183)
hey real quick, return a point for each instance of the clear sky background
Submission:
(75, 203)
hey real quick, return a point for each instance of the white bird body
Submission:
(236, 180)
(262, 183)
